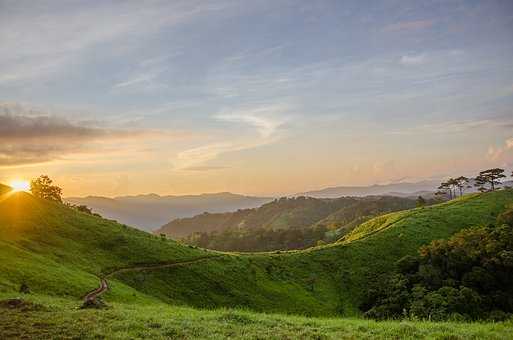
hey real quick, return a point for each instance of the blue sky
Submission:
(259, 97)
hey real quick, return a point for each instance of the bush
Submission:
(465, 277)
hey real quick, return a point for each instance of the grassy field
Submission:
(47, 318)
(60, 253)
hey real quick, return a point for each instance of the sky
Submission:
(255, 97)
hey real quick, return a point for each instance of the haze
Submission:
(254, 97)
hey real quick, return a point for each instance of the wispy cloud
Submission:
(265, 120)
(452, 127)
(409, 25)
(56, 38)
(413, 59)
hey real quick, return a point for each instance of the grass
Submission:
(59, 253)
(59, 318)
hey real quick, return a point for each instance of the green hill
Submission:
(287, 223)
(58, 251)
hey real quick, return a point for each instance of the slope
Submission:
(285, 213)
(59, 251)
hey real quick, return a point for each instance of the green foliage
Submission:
(489, 177)
(287, 223)
(467, 276)
(42, 242)
(43, 187)
(53, 318)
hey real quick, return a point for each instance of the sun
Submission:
(20, 185)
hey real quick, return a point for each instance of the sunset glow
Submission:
(20, 185)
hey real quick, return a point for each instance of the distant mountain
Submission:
(150, 211)
(286, 213)
(403, 189)
(425, 189)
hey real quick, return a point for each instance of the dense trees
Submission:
(289, 223)
(466, 277)
(43, 187)
(260, 239)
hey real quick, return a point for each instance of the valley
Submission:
(59, 253)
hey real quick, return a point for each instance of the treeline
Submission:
(260, 239)
(486, 180)
(291, 223)
(467, 277)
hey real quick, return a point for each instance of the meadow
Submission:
(60, 254)
(60, 318)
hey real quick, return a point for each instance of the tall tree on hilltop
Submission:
(42, 187)
(444, 189)
(462, 184)
(491, 177)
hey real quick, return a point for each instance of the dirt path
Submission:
(90, 297)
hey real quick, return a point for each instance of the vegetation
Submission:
(260, 239)
(57, 253)
(56, 318)
(287, 223)
(489, 177)
(43, 187)
(466, 277)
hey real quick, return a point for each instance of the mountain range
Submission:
(401, 189)
(150, 211)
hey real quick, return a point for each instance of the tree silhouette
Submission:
(462, 184)
(444, 189)
(42, 187)
(491, 177)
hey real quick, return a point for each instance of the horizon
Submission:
(263, 98)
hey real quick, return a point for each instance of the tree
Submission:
(491, 177)
(443, 189)
(421, 201)
(462, 183)
(42, 187)
(448, 187)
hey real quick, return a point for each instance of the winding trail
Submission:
(90, 298)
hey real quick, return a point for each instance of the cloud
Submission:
(409, 25)
(205, 168)
(413, 59)
(28, 137)
(501, 153)
(266, 120)
(42, 40)
(452, 127)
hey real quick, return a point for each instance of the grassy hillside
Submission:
(286, 213)
(59, 251)
(46, 318)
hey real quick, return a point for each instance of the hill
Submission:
(150, 211)
(285, 213)
(58, 251)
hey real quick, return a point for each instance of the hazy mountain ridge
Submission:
(149, 211)
(392, 189)
(425, 188)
